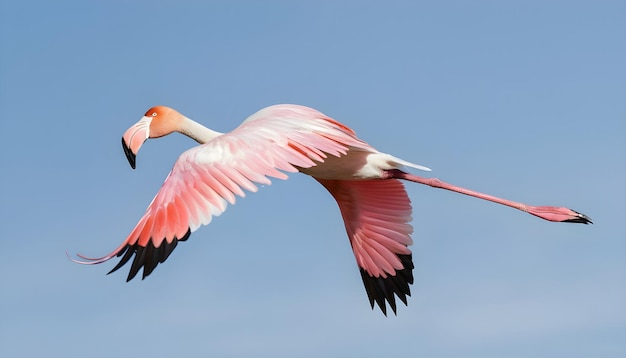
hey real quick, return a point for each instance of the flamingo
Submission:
(274, 141)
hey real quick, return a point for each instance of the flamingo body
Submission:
(276, 140)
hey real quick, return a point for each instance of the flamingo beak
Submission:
(134, 137)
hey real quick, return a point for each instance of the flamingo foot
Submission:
(558, 214)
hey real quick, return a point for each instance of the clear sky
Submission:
(525, 100)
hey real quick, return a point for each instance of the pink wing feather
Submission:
(206, 178)
(376, 214)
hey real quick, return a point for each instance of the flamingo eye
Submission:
(154, 114)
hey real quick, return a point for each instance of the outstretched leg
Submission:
(550, 213)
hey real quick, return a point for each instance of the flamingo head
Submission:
(158, 121)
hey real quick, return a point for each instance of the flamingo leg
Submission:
(550, 213)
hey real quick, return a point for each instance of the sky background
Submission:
(525, 100)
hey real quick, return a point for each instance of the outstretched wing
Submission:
(205, 179)
(376, 214)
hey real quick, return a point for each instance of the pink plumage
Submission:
(284, 139)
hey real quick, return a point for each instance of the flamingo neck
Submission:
(197, 131)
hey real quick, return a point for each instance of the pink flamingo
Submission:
(288, 138)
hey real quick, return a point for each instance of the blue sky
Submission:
(526, 100)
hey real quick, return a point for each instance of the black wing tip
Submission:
(148, 257)
(383, 291)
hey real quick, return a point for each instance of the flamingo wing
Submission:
(206, 178)
(376, 214)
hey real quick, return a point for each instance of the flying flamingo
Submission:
(288, 138)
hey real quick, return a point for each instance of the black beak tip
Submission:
(129, 154)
